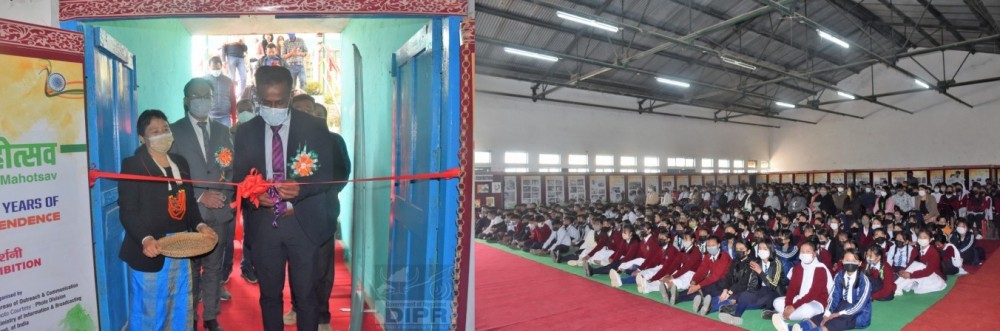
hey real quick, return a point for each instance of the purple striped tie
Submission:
(278, 171)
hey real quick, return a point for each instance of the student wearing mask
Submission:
(866, 200)
(706, 281)
(903, 202)
(729, 241)
(881, 274)
(786, 250)
(649, 279)
(649, 255)
(826, 202)
(902, 252)
(628, 249)
(841, 199)
(766, 282)
(925, 205)
(951, 261)
(883, 202)
(772, 200)
(680, 279)
(924, 274)
(737, 280)
(850, 304)
(965, 241)
(979, 203)
(608, 240)
(808, 292)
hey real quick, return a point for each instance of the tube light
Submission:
(737, 63)
(673, 82)
(530, 54)
(921, 83)
(783, 104)
(846, 95)
(586, 21)
(833, 39)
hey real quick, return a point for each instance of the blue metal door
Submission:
(111, 114)
(423, 227)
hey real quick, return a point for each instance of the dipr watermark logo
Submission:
(416, 297)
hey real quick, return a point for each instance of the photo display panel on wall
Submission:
(509, 191)
(920, 176)
(937, 176)
(697, 180)
(899, 177)
(683, 181)
(801, 178)
(577, 188)
(531, 189)
(837, 178)
(667, 183)
(820, 178)
(616, 184)
(978, 176)
(653, 183)
(635, 189)
(554, 192)
(880, 177)
(598, 188)
(954, 176)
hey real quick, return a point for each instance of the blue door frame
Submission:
(111, 113)
(423, 227)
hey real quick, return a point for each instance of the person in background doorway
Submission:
(235, 57)
(224, 100)
(271, 58)
(295, 52)
(267, 39)
(160, 289)
(244, 113)
(208, 145)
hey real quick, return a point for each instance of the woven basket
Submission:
(186, 244)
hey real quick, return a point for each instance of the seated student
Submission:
(808, 292)
(966, 243)
(558, 241)
(589, 242)
(823, 252)
(649, 250)
(951, 261)
(786, 250)
(767, 281)
(738, 279)
(845, 246)
(881, 240)
(729, 240)
(680, 279)
(924, 274)
(520, 234)
(850, 304)
(512, 222)
(705, 282)
(608, 240)
(881, 274)
(628, 249)
(647, 278)
(902, 253)
(540, 232)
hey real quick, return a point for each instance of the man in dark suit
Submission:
(291, 222)
(205, 143)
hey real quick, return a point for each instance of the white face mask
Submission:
(245, 117)
(764, 255)
(200, 107)
(840, 189)
(883, 193)
(868, 189)
(834, 226)
(806, 258)
(961, 230)
(216, 73)
(766, 217)
(923, 242)
(273, 116)
(812, 191)
(160, 143)
(922, 193)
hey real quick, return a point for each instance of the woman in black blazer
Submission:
(153, 210)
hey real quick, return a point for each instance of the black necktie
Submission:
(204, 141)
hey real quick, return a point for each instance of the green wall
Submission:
(162, 49)
(377, 40)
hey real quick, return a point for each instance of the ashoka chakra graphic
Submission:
(57, 82)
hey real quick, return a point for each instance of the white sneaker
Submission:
(696, 305)
(573, 263)
(726, 318)
(664, 293)
(899, 292)
(290, 318)
(641, 283)
(778, 322)
(706, 304)
(962, 272)
(616, 279)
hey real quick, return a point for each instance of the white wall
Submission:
(941, 133)
(41, 12)
(514, 124)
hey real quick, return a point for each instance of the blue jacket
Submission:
(861, 309)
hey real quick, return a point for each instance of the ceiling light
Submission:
(846, 95)
(673, 82)
(786, 105)
(737, 63)
(530, 54)
(587, 21)
(833, 39)
(921, 83)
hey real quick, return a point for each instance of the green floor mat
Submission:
(891, 315)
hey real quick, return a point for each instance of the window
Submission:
(708, 171)
(604, 160)
(515, 170)
(515, 158)
(706, 163)
(651, 170)
(739, 171)
(628, 161)
(548, 159)
(765, 164)
(723, 163)
(738, 164)
(579, 170)
(685, 163)
(751, 171)
(605, 170)
(483, 158)
(672, 162)
(650, 161)
(577, 159)
(724, 171)
(629, 170)
(549, 170)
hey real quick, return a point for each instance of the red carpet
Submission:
(513, 293)
(963, 307)
(243, 311)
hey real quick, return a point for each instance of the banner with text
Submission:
(46, 250)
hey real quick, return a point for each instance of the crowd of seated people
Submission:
(812, 257)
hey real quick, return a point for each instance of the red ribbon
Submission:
(254, 184)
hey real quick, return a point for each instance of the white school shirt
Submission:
(574, 233)
(557, 238)
(850, 280)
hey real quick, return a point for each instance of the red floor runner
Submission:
(513, 293)
(963, 307)
(243, 311)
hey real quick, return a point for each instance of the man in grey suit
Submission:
(205, 143)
